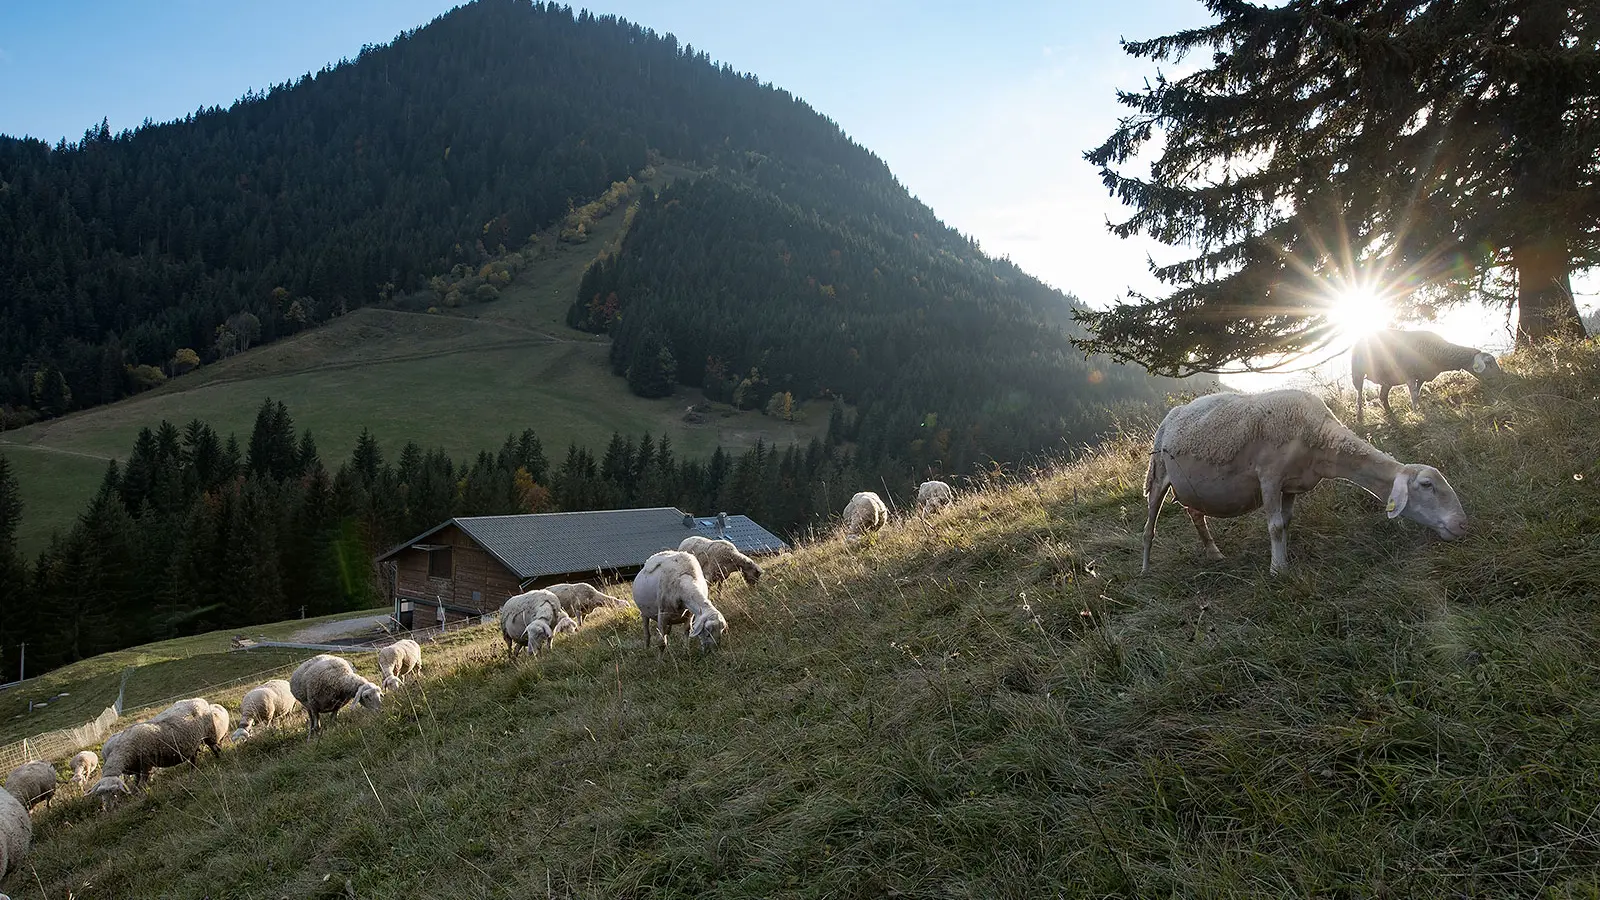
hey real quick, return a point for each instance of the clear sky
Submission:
(983, 110)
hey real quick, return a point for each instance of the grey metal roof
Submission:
(536, 545)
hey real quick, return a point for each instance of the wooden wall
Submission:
(478, 580)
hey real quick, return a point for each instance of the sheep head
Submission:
(752, 574)
(110, 789)
(239, 735)
(537, 635)
(1483, 364)
(1421, 494)
(391, 683)
(370, 696)
(709, 627)
(567, 624)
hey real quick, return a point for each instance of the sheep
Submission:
(32, 783)
(326, 684)
(865, 512)
(208, 721)
(719, 560)
(16, 833)
(933, 496)
(1228, 454)
(671, 588)
(264, 705)
(531, 620)
(84, 765)
(174, 737)
(1388, 358)
(399, 659)
(578, 600)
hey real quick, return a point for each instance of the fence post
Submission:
(126, 674)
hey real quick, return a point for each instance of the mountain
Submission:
(795, 261)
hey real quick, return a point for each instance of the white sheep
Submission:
(174, 737)
(32, 783)
(719, 560)
(1229, 454)
(865, 512)
(264, 705)
(580, 599)
(671, 588)
(207, 721)
(326, 684)
(84, 765)
(531, 620)
(1389, 358)
(398, 660)
(16, 833)
(933, 496)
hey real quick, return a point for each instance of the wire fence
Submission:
(58, 744)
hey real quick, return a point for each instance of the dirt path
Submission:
(341, 628)
(50, 449)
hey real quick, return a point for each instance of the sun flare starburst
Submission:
(1359, 311)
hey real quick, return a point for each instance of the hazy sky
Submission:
(983, 110)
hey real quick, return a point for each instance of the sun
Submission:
(1359, 311)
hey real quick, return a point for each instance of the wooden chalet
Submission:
(470, 565)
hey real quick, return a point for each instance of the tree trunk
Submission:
(1545, 305)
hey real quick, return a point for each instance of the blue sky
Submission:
(983, 110)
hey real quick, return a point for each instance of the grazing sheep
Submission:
(16, 833)
(671, 588)
(326, 684)
(865, 512)
(206, 721)
(1388, 358)
(264, 705)
(933, 496)
(84, 765)
(531, 620)
(719, 560)
(32, 783)
(578, 600)
(399, 659)
(174, 737)
(1229, 454)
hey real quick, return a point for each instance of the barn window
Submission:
(439, 563)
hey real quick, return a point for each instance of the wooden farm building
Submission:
(469, 565)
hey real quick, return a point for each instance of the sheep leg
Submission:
(1361, 399)
(1156, 499)
(1383, 399)
(1277, 507)
(662, 625)
(1208, 545)
(1415, 387)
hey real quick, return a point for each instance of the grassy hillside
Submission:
(461, 381)
(989, 704)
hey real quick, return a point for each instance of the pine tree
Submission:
(1335, 146)
(15, 604)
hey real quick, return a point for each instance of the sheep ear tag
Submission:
(1397, 497)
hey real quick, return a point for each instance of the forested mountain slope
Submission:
(459, 141)
(764, 285)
